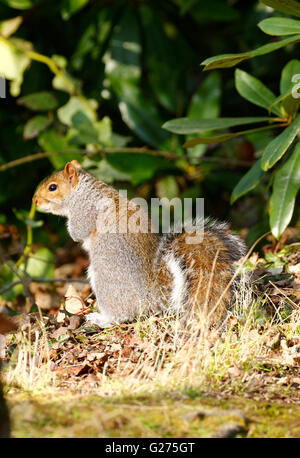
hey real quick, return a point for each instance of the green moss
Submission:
(148, 416)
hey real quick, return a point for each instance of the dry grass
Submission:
(175, 354)
(29, 366)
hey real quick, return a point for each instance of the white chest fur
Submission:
(87, 243)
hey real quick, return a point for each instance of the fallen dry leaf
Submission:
(46, 301)
(234, 371)
(6, 324)
(58, 332)
(295, 269)
(73, 303)
(255, 259)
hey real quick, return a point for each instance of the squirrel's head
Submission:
(52, 192)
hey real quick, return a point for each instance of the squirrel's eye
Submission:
(53, 187)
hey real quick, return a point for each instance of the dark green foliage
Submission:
(86, 75)
(100, 81)
(276, 154)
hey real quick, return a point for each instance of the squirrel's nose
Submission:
(35, 200)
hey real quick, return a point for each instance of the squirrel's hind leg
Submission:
(100, 319)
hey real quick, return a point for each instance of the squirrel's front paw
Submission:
(101, 320)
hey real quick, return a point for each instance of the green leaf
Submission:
(50, 141)
(205, 103)
(222, 138)
(70, 7)
(255, 91)
(273, 260)
(187, 5)
(7, 276)
(160, 56)
(166, 57)
(284, 6)
(230, 60)
(249, 181)
(123, 57)
(215, 10)
(141, 115)
(84, 134)
(276, 149)
(12, 65)
(41, 264)
(123, 70)
(21, 4)
(34, 224)
(87, 132)
(285, 188)
(279, 26)
(35, 125)
(60, 61)
(167, 187)
(23, 216)
(92, 38)
(68, 83)
(194, 126)
(10, 26)
(73, 110)
(140, 167)
(39, 101)
(105, 172)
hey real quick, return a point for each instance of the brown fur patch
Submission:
(208, 271)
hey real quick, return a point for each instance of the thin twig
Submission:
(124, 150)
(24, 279)
(62, 280)
(223, 160)
(42, 280)
(102, 151)
(9, 286)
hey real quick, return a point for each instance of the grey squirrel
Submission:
(132, 272)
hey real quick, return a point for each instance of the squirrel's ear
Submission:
(71, 172)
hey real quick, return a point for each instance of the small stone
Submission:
(274, 341)
(234, 371)
(192, 416)
(2, 347)
(75, 321)
(230, 431)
